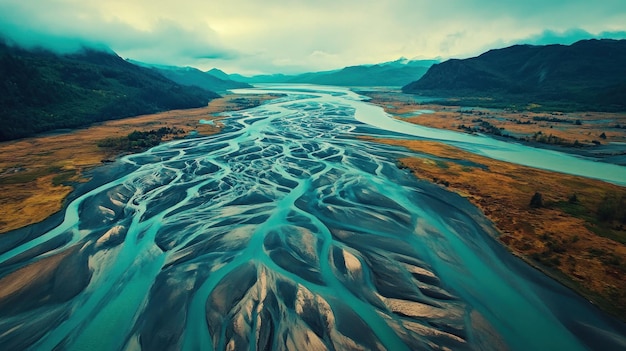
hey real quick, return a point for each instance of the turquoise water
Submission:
(283, 232)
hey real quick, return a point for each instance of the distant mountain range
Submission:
(42, 91)
(190, 76)
(394, 73)
(586, 74)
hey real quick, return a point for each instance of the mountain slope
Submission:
(395, 73)
(589, 73)
(218, 73)
(375, 75)
(42, 91)
(190, 76)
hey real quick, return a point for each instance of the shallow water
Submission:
(282, 232)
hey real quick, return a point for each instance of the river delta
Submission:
(288, 230)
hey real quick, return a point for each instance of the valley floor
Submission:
(570, 236)
(601, 135)
(36, 173)
(565, 237)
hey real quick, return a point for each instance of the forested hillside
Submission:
(42, 91)
(586, 74)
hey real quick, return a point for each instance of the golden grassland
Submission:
(35, 172)
(563, 238)
(520, 124)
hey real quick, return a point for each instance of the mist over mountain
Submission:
(42, 90)
(588, 73)
(394, 73)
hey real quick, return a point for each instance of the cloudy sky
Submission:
(290, 36)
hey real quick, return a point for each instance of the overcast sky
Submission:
(289, 36)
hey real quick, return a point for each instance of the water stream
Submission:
(283, 232)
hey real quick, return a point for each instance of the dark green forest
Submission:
(589, 74)
(42, 91)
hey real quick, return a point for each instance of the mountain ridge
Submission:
(191, 76)
(43, 91)
(392, 73)
(588, 73)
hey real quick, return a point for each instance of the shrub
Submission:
(612, 208)
(537, 200)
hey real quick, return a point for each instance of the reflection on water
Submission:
(283, 232)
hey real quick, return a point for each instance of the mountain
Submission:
(586, 74)
(42, 91)
(190, 76)
(394, 73)
(218, 73)
(264, 78)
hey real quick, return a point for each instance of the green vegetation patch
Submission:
(64, 177)
(28, 175)
(607, 220)
(41, 91)
(138, 140)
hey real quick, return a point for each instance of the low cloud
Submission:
(295, 36)
(570, 36)
(165, 42)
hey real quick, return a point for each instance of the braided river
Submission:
(287, 232)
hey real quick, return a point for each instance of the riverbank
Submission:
(560, 236)
(36, 174)
(575, 234)
(600, 135)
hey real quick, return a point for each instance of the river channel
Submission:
(287, 232)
